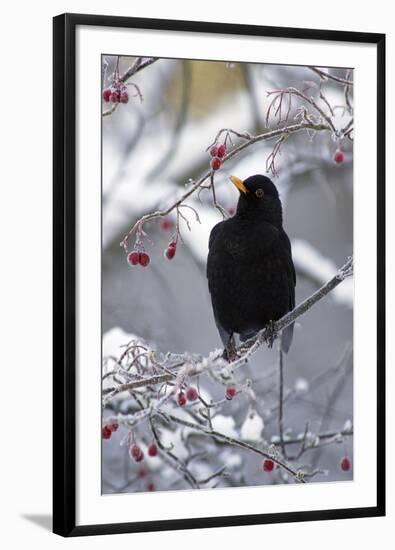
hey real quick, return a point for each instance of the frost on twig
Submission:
(163, 391)
(116, 92)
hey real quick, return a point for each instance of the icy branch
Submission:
(208, 176)
(327, 76)
(196, 366)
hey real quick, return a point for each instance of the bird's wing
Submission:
(214, 232)
(213, 235)
(290, 267)
(287, 250)
(224, 334)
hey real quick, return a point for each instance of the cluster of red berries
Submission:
(345, 464)
(230, 392)
(171, 249)
(117, 93)
(338, 156)
(268, 465)
(108, 429)
(137, 455)
(138, 258)
(190, 395)
(217, 153)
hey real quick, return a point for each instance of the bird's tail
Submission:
(287, 336)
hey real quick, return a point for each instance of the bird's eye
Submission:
(259, 193)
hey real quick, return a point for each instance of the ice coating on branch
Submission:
(114, 342)
(115, 339)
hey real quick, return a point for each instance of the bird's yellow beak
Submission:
(239, 184)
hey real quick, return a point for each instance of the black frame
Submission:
(64, 270)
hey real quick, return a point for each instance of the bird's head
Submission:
(258, 198)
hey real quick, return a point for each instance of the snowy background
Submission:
(151, 152)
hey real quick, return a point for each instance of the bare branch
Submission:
(239, 443)
(140, 64)
(250, 140)
(327, 76)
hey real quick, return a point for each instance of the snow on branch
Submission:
(309, 116)
(178, 367)
(166, 383)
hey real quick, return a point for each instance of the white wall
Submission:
(25, 217)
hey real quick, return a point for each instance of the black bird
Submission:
(250, 272)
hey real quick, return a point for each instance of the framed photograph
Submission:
(219, 275)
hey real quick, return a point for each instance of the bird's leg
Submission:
(230, 349)
(271, 333)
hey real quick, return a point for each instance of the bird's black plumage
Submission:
(251, 276)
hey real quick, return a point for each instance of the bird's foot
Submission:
(230, 353)
(271, 333)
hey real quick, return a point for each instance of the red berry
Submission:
(124, 97)
(181, 399)
(136, 453)
(268, 465)
(106, 95)
(115, 96)
(338, 157)
(170, 252)
(215, 163)
(345, 464)
(231, 211)
(141, 472)
(113, 426)
(230, 392)
(106, 432)
(214, 151)
(150, 486)
(192, 394)
(165, 224)
(152, 450)
(143, 259)
(133, 257)
(221, 151)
